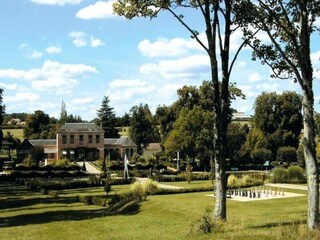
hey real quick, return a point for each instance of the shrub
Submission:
(279, 175)
(150, 186)
(233, 181)
(137, 191)
(85, 199)
(245, 181)
(203, 224)
(296, 174)
(99, 200)
(53, 193)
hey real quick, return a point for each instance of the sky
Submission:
(78, 51)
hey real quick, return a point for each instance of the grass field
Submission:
(18, 133)
(27, 215)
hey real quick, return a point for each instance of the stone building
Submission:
(80, 141)
(77, 142)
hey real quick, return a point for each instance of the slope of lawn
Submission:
(27, 215)
(16, 132)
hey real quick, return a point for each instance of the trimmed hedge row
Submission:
(44, 185)
(182, 177)
(48, 168)
(51, 174)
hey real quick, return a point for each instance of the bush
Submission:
(245, 181)
(137, 191)
(233, 181)
(203, 224)
(150, 186)
(296, 174)
(85, 199)
(279, 175)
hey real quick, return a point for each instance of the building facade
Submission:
(77, 142)
(80, 141)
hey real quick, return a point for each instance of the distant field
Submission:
(123, 131)
(18, 133)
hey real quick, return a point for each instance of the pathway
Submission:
(89, 168)
(289, 186)
(160, 185)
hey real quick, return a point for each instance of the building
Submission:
(119, 147)
(37, 149)
(80, 141)
(77, 141)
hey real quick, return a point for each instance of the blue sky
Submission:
(77, 51)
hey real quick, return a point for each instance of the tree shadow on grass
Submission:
(67, 215)
(15, 198)
(279, 224)
(14, 203)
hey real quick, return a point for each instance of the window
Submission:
(80, 139)
(97, 138)
(71, 139)
(64, 139)
(90, 139)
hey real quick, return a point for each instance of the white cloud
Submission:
(124, 90)
(168, 48)
(81, 39)
(21, 97)
(317, 22)
(183, 68)
(95, 42)
(248, 91)
(255, 77)
(82, 100)
(57, 2)
(269, 87)
(8, 86)
(52, 76)
(53, 50)
(35, 54)
(98, 10)
(29, 52)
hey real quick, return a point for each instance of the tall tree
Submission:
(218, 27)
(289, 25)
(191, 134)
(63, 113)
(107, 119)
(37, 125)
(2, 111)
(142, 127)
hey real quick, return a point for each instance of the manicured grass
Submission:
(192, 184)
(17, 132)
(27, 215)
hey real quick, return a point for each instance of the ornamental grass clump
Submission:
(233, 181)
(137, 191)
(296, 174)
(150, 187)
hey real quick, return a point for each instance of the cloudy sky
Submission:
(77, 51)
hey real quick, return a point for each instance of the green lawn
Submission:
(18, 133)
(27, 215)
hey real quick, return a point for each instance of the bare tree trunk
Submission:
(310, 160)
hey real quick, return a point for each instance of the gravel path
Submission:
(89, 168)
(289, 186)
